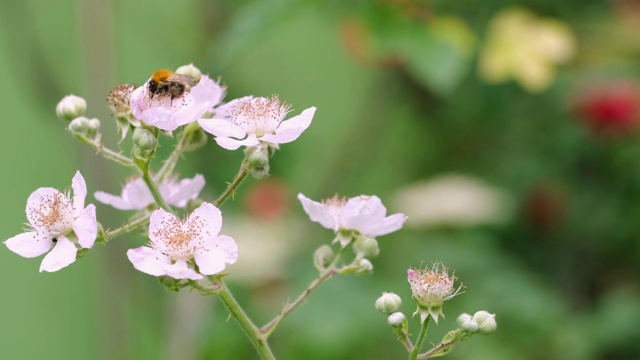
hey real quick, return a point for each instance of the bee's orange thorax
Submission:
(161, 75)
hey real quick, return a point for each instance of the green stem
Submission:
(423, 333)
(271, 325)
(324, 275)
(126, 228)
(155, 191)
(105, 152)
(403, 337)
(258, 339)
(233, 186)
(171, 162)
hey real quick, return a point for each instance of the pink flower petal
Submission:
(35, 201)
(207, 220)
(181, 270)
(317, 212)
(363, 212)
(115, 201)
(63, 253)
(291, 129)
(233, 144)
(148, 260)
(222, 127)
(162, 226)
(30, 244)
(388, 225)
(85, 227)
(79, 187)
(186, 190)
(213, 257)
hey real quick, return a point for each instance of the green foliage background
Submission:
(564, 291)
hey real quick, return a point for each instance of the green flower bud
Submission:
(71, 107)
(366, 247)
(388, 303)
(144, 139)
(257, 161)
(190, 70)
(365, 266)
(486, 322)
(94, 127)
(397, 320)
(323, 256)
(79, 125)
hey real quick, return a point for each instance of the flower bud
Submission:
(71, 107)
(79, 125)
(486, 322)
(365, 266)
(388, 303)
(144, 139)
(467, 323)
(190, 70)
(323, 257)
(257, 161)
(94, 126)
(397, 320)
(366, 247)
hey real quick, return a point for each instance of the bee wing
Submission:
(183, 79)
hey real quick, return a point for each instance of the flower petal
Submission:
(363, 213)
(85, 227)
(148, 260)
(222, 127)
(186, 190)
(162, 226)
(36, 201)
(63, 253)
(30, 244)
(233, 144)
(387, 225)
(115, 201)
(79, 187)
(317, 212)
(181, 270)
(213, 258)
(291, 129)
(206, 220)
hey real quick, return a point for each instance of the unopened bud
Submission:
(365, 266)
(257, 161)
(466, 323)
(388, 303)
(366, 247)
(71, 107)
(94, 127)
(144, 139)
(190, 70)
(397, 320)
(323, 257)
(486, 322)
(79, 125)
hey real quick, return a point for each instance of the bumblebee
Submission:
(165, 83)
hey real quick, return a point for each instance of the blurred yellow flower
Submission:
(525, 48)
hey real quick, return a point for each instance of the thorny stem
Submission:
(403, 337)
(105, 152)
(423, 332)
(324, 275)
(233, 186)
(257, 338)
(443, 345)
(126, 228)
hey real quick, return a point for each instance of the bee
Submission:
(165, 83)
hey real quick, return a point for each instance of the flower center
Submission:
(259, 116)
(179, 240)
(334, 207)
(53, 214)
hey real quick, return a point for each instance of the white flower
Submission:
(175, 247)
(363, 214)
(58, 222)
(135, 194)
(250, 120)
(431, 288)
(167, 114)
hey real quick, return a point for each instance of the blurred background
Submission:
(506, 130)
